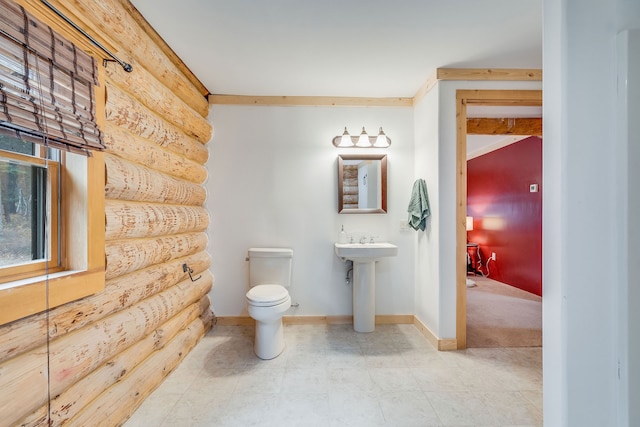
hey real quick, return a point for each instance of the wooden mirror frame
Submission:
(383, 183)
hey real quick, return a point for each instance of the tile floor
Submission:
(329, 375)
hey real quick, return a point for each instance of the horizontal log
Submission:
(23, 386)
(125, 111)
(207, 315)
(505, 126)
(38, 418)
(126, 145)
(131, 181)
(126, 256)
(70, 402)
(350, 172)
(119, 401)
(111, 19)
(128, 290)
(350, 199)
(31, 332)
(158, 98)
(22, 335)
(350, 190)
(126, 220)
(166, 49)
(73, 356)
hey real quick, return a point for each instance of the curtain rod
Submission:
(127, 67)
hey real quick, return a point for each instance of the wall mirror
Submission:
(362, 183)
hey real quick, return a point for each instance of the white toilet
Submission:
(268, 298)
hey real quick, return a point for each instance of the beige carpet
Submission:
(500, 315)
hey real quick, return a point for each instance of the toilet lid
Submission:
(267, 295)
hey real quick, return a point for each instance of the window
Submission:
(51, 177)
(29, 209)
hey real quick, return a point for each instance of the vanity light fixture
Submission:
(362, 141)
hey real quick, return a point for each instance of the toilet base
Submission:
(269, 339)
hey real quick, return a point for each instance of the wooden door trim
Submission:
(465, 98)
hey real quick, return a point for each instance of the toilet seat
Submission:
(267, 295)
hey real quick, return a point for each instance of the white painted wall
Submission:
(427, 290)
(584, 211)
(554, 354)
(273, 182)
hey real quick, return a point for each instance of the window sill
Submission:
(25, 297)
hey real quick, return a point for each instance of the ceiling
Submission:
(357, 48)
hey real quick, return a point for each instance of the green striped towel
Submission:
(419, 205)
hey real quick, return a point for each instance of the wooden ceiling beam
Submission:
(505, 126)
(329, 101)
(521, 74)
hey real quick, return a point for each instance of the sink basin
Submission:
(365, 252)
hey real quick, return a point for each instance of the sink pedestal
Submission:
(364, 296)
(364, 257)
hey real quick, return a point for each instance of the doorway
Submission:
(464, 99)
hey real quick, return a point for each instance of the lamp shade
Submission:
(345, 139)
(381, 140)
(363, 139)
(469, 223)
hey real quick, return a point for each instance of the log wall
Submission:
(350, 187)
(107, 352)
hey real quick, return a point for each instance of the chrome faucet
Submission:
(363, 239)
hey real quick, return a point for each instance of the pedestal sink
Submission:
(364, 257)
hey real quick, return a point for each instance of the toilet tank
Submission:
(270, 266)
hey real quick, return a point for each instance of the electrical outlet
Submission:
(493, 256)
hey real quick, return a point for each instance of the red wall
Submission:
(507, 217)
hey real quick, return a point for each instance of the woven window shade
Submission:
(46, 84)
